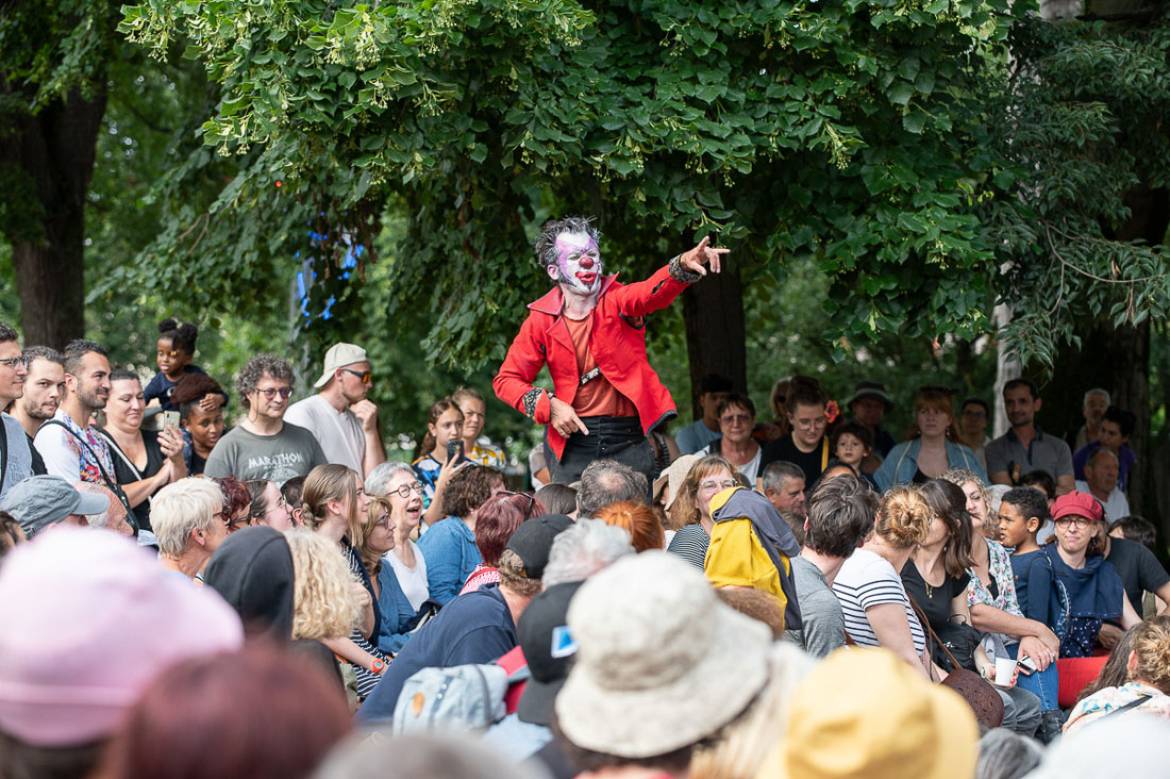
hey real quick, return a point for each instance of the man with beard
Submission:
(1025, 447)
(15, 456)
(590, 332)
(44, 387)
(70, 445)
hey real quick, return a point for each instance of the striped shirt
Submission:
(690, 543)
(866, 580)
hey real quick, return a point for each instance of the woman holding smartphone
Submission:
(442, 449)
(145, 461)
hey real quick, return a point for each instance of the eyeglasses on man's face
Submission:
(270, 392)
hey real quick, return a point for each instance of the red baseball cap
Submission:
(1078, 504)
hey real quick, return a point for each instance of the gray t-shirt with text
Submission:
(290, 453)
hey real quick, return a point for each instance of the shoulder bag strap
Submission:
(3, 454)
(931, 636)
(1131, 705)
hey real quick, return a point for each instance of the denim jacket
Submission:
(451, 554)
(902, 463)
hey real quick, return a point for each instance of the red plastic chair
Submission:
(1076, 673)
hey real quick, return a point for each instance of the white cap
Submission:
(339, 356)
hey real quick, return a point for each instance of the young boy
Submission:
(1022, 512)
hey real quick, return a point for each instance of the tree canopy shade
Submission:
(850, 132)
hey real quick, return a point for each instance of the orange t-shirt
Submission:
(596, 398)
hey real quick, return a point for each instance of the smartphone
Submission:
(454, 450)
(170, 419)
(1027, 665)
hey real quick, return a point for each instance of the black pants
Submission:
(614, 438)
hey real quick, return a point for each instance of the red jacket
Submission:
(617, 343)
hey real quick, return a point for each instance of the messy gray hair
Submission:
(377, 483)
(545, 245)
(583, 550)
(255, 369)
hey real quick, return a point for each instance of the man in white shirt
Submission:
(339, 416)
(1101, 474)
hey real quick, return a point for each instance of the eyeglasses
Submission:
(712, 484)
(404, 490)
(1080, 523)
(270, 392)
(383, 521)
(736, 419)
(530, 498)
(366, 377)
(12, 362)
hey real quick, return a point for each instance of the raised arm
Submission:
(668, 282)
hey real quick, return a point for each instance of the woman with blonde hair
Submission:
(334, 505)
(691, 510)
(931, 452)
(1147, 690)
(873, 599)
(377, 540)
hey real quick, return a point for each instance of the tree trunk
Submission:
(54, 151)
(713, 311)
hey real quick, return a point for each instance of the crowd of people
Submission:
(806, 596)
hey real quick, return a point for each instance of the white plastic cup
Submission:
(1005, 671)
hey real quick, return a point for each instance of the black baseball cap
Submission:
(533, 540)
(548, 647)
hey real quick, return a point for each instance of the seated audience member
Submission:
(477, 627)
(637, 519)
(263, 445)
(863, 713)
(868, 407)
(11, 534)
(607, 481)
(283, 714)
(783, 485)
(558, 499)
(253, 572)
(340, 416)
(851, 443)
(1096, 403)
(237, 502)
(1117, 747)
(61, 700)
(691, 510)
(937, 577)
(1139, 569)
(540, 630)
(115, 517)
(752, 547)
(1025, 447)
(374, 539)
(477, 447)
(807, 446)
(873, 599)
(971, 430)
(629, 704)
(588, 546)
(291, 492)
(42, 501)
(416, 756)
(396, 483)
(1092, 588)
(336, 507)
(325, 605)
(737, 419)
(983, 519)
(930, 453)
(268, 506)
(841, 514)
(712, 389)
(1040, 480)
(189, 524)
(201, 402)
(1101, 482)
(1137, 529)
(448, 546)
(1116, 428)
(669, 489)
(495, 522)
(743, 748)
(1147, 690)
(145, 461)
(1007, 755)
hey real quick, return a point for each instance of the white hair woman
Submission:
(189, 524)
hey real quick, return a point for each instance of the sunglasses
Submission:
(366, 377)
(530, 498)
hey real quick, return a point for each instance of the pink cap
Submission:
(87, 620)
(1077, 504)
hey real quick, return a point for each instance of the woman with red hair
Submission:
(495, 522)
(639, 521)
(237, 502)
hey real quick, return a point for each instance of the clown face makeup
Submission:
(578, 263)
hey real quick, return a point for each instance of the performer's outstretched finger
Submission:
(580, 425)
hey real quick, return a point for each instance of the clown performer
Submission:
(590, 331)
